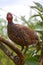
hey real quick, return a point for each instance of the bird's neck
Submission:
(10, 22)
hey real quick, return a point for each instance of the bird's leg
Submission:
(26, 50)
(38, 47)
(22, 48)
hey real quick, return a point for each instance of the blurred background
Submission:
(25, 12)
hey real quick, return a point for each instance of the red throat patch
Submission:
(9, 17)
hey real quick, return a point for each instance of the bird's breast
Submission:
(15, 35)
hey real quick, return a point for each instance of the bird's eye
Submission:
(9, 16)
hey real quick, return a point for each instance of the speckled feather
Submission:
(21, 34)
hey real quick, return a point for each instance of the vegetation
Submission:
(35, 22)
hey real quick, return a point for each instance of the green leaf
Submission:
(38, 4)
(40, 15)
(34, 16)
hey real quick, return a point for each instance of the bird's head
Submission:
(9, 17)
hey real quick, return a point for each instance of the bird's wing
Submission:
(30, 32)
(22, 33)
(27, 31)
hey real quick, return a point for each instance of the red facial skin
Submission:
(9, 17)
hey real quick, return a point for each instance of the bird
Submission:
(20, 34)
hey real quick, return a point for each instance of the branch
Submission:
(19, 58)
(41, 56)
(7, 52)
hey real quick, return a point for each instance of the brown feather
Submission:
(20, 34)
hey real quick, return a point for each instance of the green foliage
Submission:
(38, 7)
(4, 60)
(35, 22)
(39, 13)
(3, 30)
